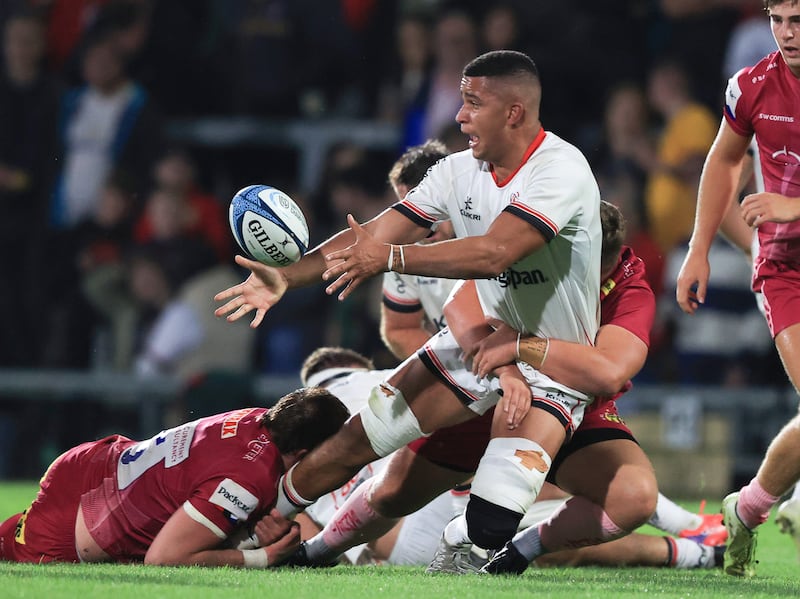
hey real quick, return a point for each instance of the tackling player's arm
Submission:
(508, 239)
(718, 184)
(183, 541)
(403, 332)
(602, 369)
(466, 321)
(266, 285)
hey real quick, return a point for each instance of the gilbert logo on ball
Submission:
(268, 225)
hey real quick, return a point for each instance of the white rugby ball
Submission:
(268, 225)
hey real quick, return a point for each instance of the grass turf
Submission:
(778, 576)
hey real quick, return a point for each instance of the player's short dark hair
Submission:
(323, 358)
(411, 167)
(613, 224)
(770, 3)
(502, 63)
(304, 418)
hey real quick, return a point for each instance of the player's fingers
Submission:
(258, 318)
(700, 294)
(351, 285)
(353, 224)
(228, 293)
(230, 306)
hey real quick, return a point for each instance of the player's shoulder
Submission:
(555, 150)
(630, 268)
(755, 76)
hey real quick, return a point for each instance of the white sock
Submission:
(672, 518)
(455, 533)
(689, 554)
(528, 543)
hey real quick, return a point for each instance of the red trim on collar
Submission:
(537, 141)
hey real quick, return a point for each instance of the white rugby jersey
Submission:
(409, 293)
(555, 291)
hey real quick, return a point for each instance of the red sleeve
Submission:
(633, 308)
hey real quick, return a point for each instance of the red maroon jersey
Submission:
(223, 470)
(762, 100)
(627, 301)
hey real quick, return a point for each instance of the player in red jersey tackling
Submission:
(174, 499)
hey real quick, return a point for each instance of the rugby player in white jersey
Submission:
(525, 209)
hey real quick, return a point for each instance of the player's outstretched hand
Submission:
(516, 400)
(260, 291)
(766, 207)
(692, 282)
(497, 349)
(349, 267)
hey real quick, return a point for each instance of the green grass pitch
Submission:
(778, 576)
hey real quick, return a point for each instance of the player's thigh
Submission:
(613, 472)
(433, 404)
(538, 425)
(409, 482)
(788, 344)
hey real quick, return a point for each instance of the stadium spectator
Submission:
(174, 499)
(455, 42)
(176, 173)
(412, 61)
(28, 101)
(763, 89)
(103, 243)
(687, 135)
(109, 123)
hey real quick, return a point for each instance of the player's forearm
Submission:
(309, 270)
(404, 342)
(581, 367)
(715, 195)
(249, 558)
(735, 230)
(466, 258)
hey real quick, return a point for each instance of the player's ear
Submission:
(516, 114)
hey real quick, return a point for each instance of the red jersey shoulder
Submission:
(626, 298)
(630, 270)
(763, 93)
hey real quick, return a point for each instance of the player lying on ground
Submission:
(174, 499)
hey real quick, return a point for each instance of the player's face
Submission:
(482, 117)
(785, 20)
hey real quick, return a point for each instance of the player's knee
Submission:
(387, 420)
(637, 495)
(490, 525)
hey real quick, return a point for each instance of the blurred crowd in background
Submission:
(114, 234)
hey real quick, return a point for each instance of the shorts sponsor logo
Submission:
(234, 498)
(230, 426)
(518, 278)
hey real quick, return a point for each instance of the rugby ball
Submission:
(268, 225)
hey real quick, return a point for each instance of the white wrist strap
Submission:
(391, 258)
(256, 558)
